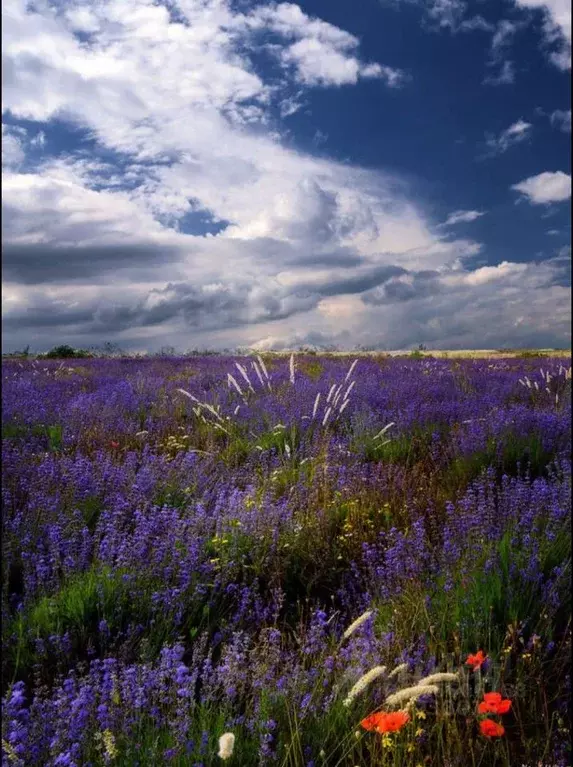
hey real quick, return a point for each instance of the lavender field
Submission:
(299, 562)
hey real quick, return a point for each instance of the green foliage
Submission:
(54, 433)
(67, 352)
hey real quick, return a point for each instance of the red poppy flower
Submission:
(491, 729)
(383, 722)
(115, 445)
(475, 661)
(493, 703)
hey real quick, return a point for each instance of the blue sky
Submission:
(209, 173)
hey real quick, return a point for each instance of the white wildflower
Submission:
(363, 683)
(226, 745)
(357, 623)
(411, 693)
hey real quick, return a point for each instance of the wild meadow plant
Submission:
(305, 561)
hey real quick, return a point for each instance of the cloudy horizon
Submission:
(228, 173)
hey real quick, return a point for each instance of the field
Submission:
(277, 551)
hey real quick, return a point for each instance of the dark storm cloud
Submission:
(202, 307)
(37, 264)
(195, 306)
(360, 282)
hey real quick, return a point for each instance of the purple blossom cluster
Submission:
(186, 540)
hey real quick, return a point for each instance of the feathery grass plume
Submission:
(315, 408)
(243, 372)
(357, 623)
(332, 388)
(291, 369)
(398, 670)
(347, 392)
(258, 372)
(344, 404)
(205, 405)
(325, 419)
(232, 381)
(265, 371)
(411, 693)
(437, 678)
(337, 395)
(363, 683)
(383, 431)
(226, 745)
(350, 370)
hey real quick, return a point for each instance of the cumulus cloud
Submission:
(545, 188)
(320, 53)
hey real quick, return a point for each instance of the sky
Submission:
(228, 173)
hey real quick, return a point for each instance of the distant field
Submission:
(436, 353)
(447, 354)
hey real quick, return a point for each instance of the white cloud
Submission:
(502, 69)
(321, 53)
(510, 305)
(561, 119)
(557, 27)
(545, 188)
(504, 33)
(13, 152)
(463, 217)
(94, 247)
(505, 76)
(319, 63)
(516, 133)
(447, 13)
